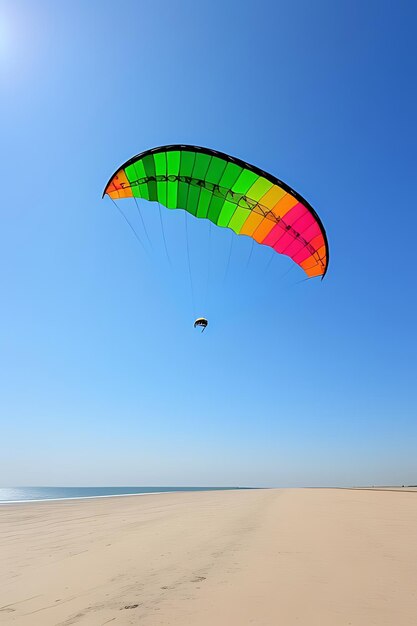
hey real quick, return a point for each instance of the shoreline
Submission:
(113, 495)
(124, 495)
(204, 490)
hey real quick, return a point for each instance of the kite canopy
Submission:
(201, 321)
(230, 193)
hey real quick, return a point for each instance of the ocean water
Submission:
(30, 494)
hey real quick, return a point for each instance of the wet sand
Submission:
(290, 557)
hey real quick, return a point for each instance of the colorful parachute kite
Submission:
(230, 193)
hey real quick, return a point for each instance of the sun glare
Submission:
(5, 38)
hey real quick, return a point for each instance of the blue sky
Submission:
(103, 379)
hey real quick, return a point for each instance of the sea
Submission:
(37, 494)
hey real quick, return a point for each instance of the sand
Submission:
(295, 557)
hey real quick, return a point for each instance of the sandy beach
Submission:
(316, 557)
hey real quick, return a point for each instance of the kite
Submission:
(201, 321)
(231, 194)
